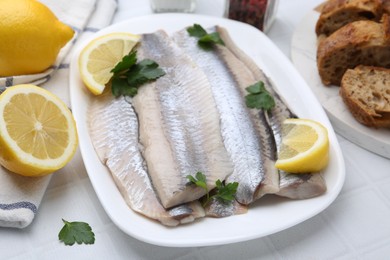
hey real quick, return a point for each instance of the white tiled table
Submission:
(355, 226)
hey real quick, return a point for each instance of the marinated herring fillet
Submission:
(179, 124)
(246, 135)
(113, 128)
(218, 209)
(301, 186)
(294, 186)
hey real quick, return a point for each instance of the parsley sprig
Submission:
(130, 75)
(223, 192)
(206, 40)
(259, 97)
(79, 232)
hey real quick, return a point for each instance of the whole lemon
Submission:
(31, 37)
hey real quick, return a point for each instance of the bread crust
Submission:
(366, 92)
(386, 6)
(361, 42)
(337, 13)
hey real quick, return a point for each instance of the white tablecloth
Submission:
(355, 226)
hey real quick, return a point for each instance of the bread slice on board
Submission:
(357, 43)
(386, 6)
(337, 13)
(366, 92)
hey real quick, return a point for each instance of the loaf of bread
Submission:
(337, 13)
(357, 43)
(366, 92)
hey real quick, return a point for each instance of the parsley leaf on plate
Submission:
(259, 97)
(130, 75)
(206, 40)
(224, 193)
(142, 72)
(126, 62)
(196, 31)
(198, 180)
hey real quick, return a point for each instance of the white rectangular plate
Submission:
(267, 216)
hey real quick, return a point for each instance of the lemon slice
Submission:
(37, 131)
(100, 56)
(304, 148)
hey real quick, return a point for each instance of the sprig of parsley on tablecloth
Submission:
(76, 232)
(259, 97)
(206, 40)
(130, 75)
(223, 192)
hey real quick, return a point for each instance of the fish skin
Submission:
(246, 134)
(218, 209)
(301, 186)
(293, 186)
(113, 127)
(178, 115)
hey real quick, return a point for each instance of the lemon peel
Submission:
(31, 37)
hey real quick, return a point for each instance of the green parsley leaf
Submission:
(119, 87)
(126, 62)
(196, 31)
(224, 193)
(256, 88)
(212, 38)
(130, 75)
(143, 72)
(76, 232)
(206, 40)
(259, 97)
(199, 180)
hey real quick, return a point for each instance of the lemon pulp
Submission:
(304, 148)
(37, 131)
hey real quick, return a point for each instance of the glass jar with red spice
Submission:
(259, 13)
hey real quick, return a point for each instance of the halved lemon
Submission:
(304, 148)
(37, 131)
(100, 56)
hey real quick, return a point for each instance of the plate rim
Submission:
(207, 241)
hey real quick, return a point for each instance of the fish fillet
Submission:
(113, 128)
(179, 124)
(246, 134)
(301, 186)
(294, 186)
(218, 209)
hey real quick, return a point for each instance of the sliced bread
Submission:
(357, 43)
(366, 92)
(386, 6)
(337, 13)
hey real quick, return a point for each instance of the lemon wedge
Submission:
(304, 148)
(37, 131)
(100, 56)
